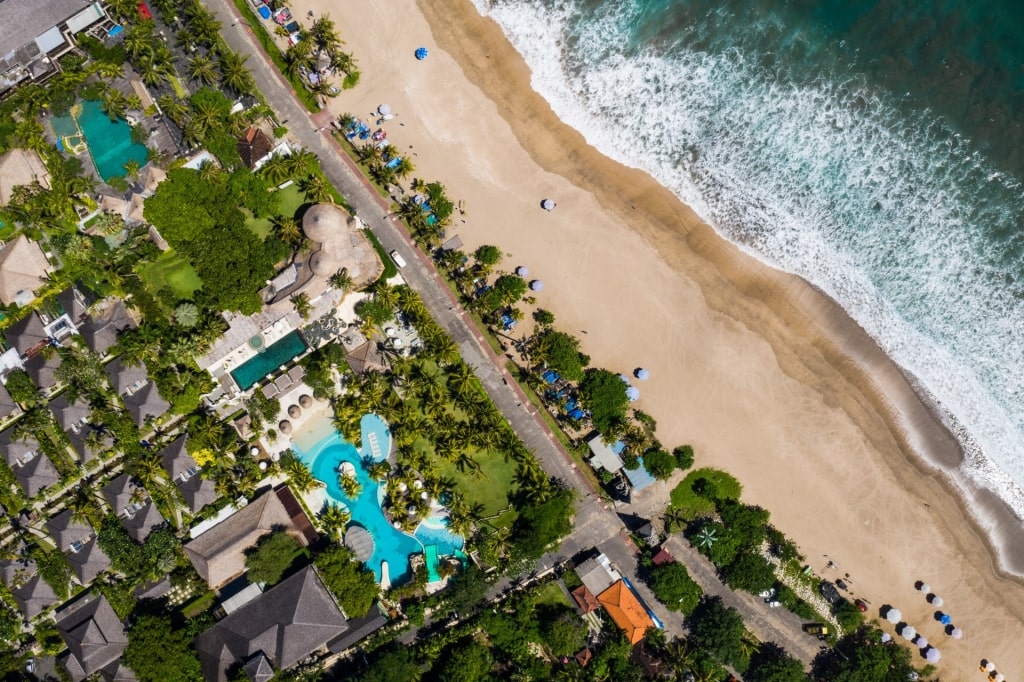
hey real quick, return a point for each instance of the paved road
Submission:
(595, 525)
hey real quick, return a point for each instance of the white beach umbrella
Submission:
(936, 600)
(633, 393)
(999, 677)
(641, 374)
(886, 637)
(384, 109)
(921, 642)
(893, 615)
(523, 271)
(925, 587)
(909, 632)
(956, 633)
(536, 285)
(932, 655)
(989, 666)
(547, 205)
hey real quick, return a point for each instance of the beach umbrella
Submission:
(886, 637)
(999, 677)
(935, 600)
(254, 451)
(285, 427)
(418, 484)
(522, 271)
(946, 619)
(956, 633)
(641, 374)
(921, 642)
(989, 666)
(633, 393)
(893, 615)
(547, 205)
(424, 495)
(932, 655)
(294, 411)
(384, 109)
(263, 465)
(536, 285)
(305, 400)
(924, 587)
(421, 53)
(909, 632)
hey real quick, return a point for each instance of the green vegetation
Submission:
(659, 463)
(351, 583)
(539, 525)
(860, 656)
(270, 558)
(719, 630)
(289, 201)
(171, 271)
(158, 652)
(673, 586)
(136, 561)
(604, 395)
(561, 352)
(694, 497)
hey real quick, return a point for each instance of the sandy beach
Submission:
(763, 375)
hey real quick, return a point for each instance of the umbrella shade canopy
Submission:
(421, 53)
(999, 677)
(305, 400)
(633, 393)
(956, 633)
(547, 204)
(886, 637)
(384, 109)
(946, 619)
(909, 632)
(932, 655)
(294, 411)
(285, 427)
(921, 642)
(522, 271)
(641, 374)
(536, 285)
(936, 600)
(989, 666)
(925, 587)
(893, 615)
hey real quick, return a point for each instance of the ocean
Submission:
(872, 148)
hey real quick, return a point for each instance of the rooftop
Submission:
(23, 267)
(626, 610)
(94, 635)
(604, 457)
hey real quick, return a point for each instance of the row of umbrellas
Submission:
(990, 668)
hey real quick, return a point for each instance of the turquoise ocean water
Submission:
(872, 147)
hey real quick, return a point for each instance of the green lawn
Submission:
(693, 505)
(292, 200)
(171, 270)
(551, 595)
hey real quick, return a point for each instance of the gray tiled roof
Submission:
(143, 521)
(175, 458)
(124, 376)
(94, 635)
(22, 20)
(89, 561)
(69, 415)
(27, 332)
(37, 474)
(15, 449)
(198, 492)
(118, 493)
(287, 623)
(34, 595)
(145, 403)
(41, 368)
(101, 332)
(7, 404)
(85, 452)
(67, 530)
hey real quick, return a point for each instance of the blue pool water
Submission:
(390, 544)
(280, 352)
(110, 142)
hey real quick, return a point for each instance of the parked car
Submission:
(817, 629)
(767, 593)
(772, 603)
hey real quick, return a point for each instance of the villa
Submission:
(95, 638)
(34, 596)
(218, 554)
(119, 493)
(101, 330)
(23, 267)
(142, 522)
(184, 473)
(8, 408)
(42, 369)
(124, 378)
(88, 561)
(34, 34)
(88, 451)
(71, 416)
(626, 610)
(146, 403)
(31, 467)
(69, 533)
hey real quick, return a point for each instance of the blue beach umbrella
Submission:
(421, 53)
(946, 619)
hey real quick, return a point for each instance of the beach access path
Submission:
(595, 525)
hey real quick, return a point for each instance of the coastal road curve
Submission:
(595, 525)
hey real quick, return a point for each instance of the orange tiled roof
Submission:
(585, 599)
(626, 610)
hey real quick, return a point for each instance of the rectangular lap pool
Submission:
(109, 142)
(269, 359)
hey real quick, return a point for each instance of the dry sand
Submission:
(763, 375)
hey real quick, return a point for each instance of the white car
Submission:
(767, 593)
(399, 261)
(772, 603)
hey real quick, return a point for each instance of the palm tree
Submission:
(236, 75)
(288, 231)
(316, 189)
(131, 169)
(299, 58)
(334, 518)
(174, 108)
(186, 315)
(138, 40)
(385, 294)
(349, 485)
(211, 173)
(461, 380)
(707, 537)
(404, 168)
(114, 104)
(444, 350)
(341, 280)
(675, 519)
(203, 70)
(378, 471)
(302, 162)
(302, 305)
(276, 169)
(84, 508)
(300, 477)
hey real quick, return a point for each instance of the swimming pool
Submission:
(281, 352)
(390, 544)
(110, 142)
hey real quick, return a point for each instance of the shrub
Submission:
(673, 586)
(268, 561)
(684, 456)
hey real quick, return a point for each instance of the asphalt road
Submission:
(595, 525)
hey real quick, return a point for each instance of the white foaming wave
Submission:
(803, 176)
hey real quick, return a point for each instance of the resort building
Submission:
(20, 168)
(23, 267)
(143, 521)
(285, 624)
(88, 561)
(33, 469)
(68, 532)
(28, 335)
(604, 456)
(95, 638)
(88, 449)
(218, 554)
(119, 494)
(34, 595)
(146, 403)
(254, 147)
(100, 331)
(184, 473)
(34, 34)
(8, 408)
(72, 417)
(42, 369)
